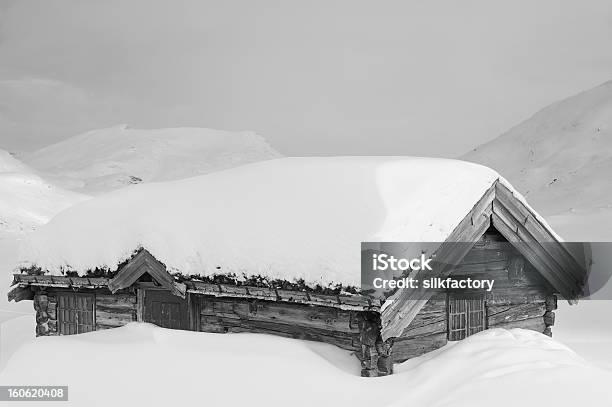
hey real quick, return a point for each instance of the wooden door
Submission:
(465, 317)
(166, 310)
(75, 313)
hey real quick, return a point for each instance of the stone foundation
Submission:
(45, 306)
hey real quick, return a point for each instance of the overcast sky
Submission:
(313, 77)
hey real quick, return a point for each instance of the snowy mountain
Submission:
(561, 160)
(26, 200)
(112, 158)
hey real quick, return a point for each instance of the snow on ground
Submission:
(287, 218)
(107, 159)
(157, 367)
(561, 158)
(26, 200)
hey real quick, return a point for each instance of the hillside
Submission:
(561, 160)
(112, 158)
(26, 200)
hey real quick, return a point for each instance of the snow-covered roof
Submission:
(287, 218)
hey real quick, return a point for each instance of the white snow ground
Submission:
(182, 367)
(26, 200)
(107, 159)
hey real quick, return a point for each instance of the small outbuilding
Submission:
(275, 248)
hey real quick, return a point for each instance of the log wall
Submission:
(521, 298)
(111, 310)
(331, 325)
(114, 310)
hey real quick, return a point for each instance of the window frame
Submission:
(462, 316)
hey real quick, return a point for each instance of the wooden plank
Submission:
(517, 295)
(499, 314)
(535, 324)
(408, 348)
(532, 253)
(540, 233)
(111, 318)
(279, 312)
(20, 293)
(405, 304)
(221, 325)
(525, 238)
(140, 300)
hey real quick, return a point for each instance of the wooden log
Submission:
(114, 319)
(279, 312)
(221, 325)
(531, 250)
(407, 348)
(429, 321)
(534, 324)
(517, 295)
(500, 314)
(557, 252)
(566, 282)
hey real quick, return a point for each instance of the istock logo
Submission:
(383, 262)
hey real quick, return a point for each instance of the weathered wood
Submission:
(20, 293)
(557, 252)
(144, 262)
(111, 318)
(565, 282)
(222, 324)
(140, 298)
(510, 229)
(405, 304)
(429, 321)
(286, 313)
(517, 295)
(500, 314)
(404, 349)
(115, 310)
(59, 281)
(535, 324)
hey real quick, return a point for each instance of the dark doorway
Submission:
(165, 310)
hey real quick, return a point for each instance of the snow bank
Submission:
(287, 218)
(107, 159)
(142, 364)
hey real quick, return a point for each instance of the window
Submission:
(75, 313)
(465, 317)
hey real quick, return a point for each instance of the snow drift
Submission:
(107, 159)
(169, 367)
(26, 200)
(290, 218)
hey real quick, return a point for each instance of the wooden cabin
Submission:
(529, 276)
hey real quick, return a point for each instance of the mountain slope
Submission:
(560, 158)
(26, 200)
(107, 159)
